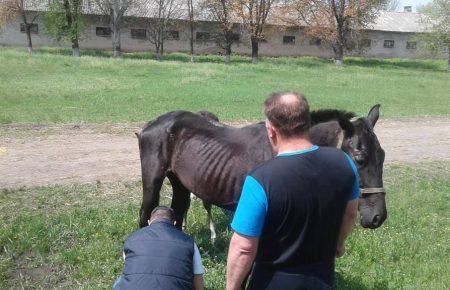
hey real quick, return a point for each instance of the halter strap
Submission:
(370, 190)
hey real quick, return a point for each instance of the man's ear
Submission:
(270, 129)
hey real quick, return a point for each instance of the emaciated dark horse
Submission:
(202, 156)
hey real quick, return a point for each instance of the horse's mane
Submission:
(343, 117)
(319, 116)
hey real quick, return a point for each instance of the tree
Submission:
(11, 9)
(335, 21)
(159, 16)
(254, 15)
(63, 20)
(191, 19)
(436, 19)
(116, 10)
(222, 11)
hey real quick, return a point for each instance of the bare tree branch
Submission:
(116, 10)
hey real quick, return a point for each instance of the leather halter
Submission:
(370, 190)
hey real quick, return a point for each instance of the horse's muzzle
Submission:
(372, 207)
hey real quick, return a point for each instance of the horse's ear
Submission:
(373, 115)
(137, 135)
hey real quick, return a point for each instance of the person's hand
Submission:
(340, 250)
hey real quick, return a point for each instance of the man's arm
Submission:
(198, 282)
(351, 210)
(347, 226)
(199, 270)
(248, 223)
(241, 254)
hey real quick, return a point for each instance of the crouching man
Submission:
(160, 256)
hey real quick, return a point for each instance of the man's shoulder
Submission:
(331, 151)
(137, 233)
(264, 169)
(332, 155)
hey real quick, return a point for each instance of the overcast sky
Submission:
(413, 3)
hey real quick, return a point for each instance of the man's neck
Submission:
(160, 220)
(294, 144)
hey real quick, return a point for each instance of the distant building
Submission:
(392, 35)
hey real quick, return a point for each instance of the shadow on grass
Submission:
(176, 56)
(350, 284)
(357, 283)
(428, 64)
(305, 61)
(218, 250)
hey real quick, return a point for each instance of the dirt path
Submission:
(46, 155)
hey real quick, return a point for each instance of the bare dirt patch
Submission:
(30, 269)
(59, 154)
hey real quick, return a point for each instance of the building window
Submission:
(103, 31)
(138, 33)
(235, 37)
(366, 42)
(411, 45)
(389, 44)
(288, 39)
(34, 29)
(315, 41)
(202, 36)
(172, 35)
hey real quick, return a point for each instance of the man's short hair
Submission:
(162, 212)
(288, 112)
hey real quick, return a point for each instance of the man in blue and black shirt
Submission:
(295, 210)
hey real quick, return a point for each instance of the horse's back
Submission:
(209, 158)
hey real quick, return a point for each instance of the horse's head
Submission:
(364, 148)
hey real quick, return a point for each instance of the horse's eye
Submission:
(359, 159)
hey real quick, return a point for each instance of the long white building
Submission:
(392, 35)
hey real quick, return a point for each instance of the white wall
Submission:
(274, 46)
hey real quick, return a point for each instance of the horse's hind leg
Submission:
(212, 227)
(180, 199)
(153, 175)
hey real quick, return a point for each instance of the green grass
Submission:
(72, 236)
(51, 87)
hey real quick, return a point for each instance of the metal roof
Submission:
(398, 22)
(406, 22)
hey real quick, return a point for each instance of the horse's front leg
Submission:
(153, 175)
(180, 200)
